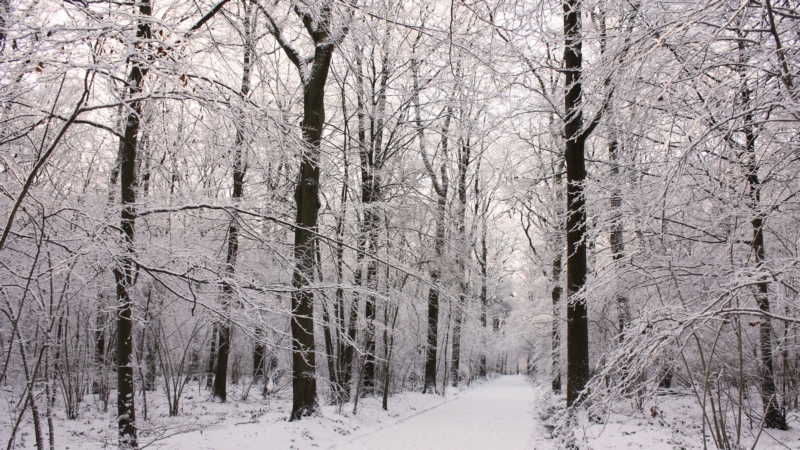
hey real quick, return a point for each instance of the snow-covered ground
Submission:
(508, 412)
(494, 414)
(498, 414)
(668, 422)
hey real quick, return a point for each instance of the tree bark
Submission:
(433, 307)
(344, 362)
(557, 290)
(441, 188)
(259, 356)
(464, 155)
(212, 356)
(124, 271)
(100, 333)
(327, 331)
(575, 139)
(483, 264)
(773, 418)
(219, 388)
(304, 383)
(556, 335)
(429, 377)
(371, 154)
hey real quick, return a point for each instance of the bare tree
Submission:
(313, 71)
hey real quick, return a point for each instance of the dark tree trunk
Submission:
(773, 417)
(123, 275)
(100, 333)
(148, 350)
(124, 271)
(388, 345)
(314, 74)
(327, 331)
(304, 383)
(340, 383)
(481, 212)
(371, 157)
(433, 314)
(219, 389)
(441, 188)
(484, 298)
(575, 139)
(348, 344)
(369, 344)
(259, 355)
(150, 361)
(463, 249)
(429, 377)
(556, 335)
(212, 356)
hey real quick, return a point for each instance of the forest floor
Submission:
(498, 414)
(508, 412)
(670, 421)
(494, 414)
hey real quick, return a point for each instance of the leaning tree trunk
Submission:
(124, 271)
(219, 388)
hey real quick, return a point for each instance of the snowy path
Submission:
(495, 415)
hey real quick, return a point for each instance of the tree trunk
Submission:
(150, 361)
(327, 330)
(344, 362)
(484, 298)
(773, 418)
(219, 389)
(371, 159)
(464, 154)
(433, 310)
(616, 238)
(259, 355)
(212, 356)
(556, 335)
(30, 379)
(147, 348)
(100, 333)
(124, 271)
(429, 383)
(435, 271)
(388, 343)
(314, 74)
(575, 139)
(304, 383)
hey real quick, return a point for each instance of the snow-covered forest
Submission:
(290, 211)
